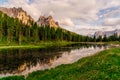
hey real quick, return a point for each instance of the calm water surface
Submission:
(25, 61)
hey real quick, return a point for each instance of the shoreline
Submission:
(50, 44)
(72, 69)
(39, 45)
(82, 69)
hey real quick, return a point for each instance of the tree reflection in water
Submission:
(18, 60)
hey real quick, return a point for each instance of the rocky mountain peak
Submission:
(107, 33)
(50, 17)
(17, 13)
(26, 19)
(42, 21)
(99, 33)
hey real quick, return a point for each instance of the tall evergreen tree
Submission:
(1, 28)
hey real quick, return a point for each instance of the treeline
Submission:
(12, 30)
(114, 37)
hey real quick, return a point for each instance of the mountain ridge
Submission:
(107, 33)
(42, 21)
(17, 13)
(26, 19)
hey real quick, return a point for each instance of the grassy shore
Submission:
(47, 44)
(103, 66)
(38, 45)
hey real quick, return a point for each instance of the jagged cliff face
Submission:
(26, 19)
(42, 21)
(17, 13)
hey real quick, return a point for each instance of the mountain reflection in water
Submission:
(24, 61)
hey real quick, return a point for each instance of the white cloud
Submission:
(72, 9)
(112, 22)
(103, 4)
(70, 12)
(88, 30)
(66, 21)
(112, 13)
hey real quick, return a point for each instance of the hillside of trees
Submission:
(12, 30)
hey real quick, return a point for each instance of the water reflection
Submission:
(22, 61)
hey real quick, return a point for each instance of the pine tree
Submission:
(35, 33)
(20, 34)
(105, 38)
(1, 29)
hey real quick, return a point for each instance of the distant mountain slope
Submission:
(107, 33)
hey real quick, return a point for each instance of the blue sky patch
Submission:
(107, 10)
(3, 1)
(30, 1)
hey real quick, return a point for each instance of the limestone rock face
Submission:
(17, 13)
(26, 19)
(42, 21)
(99, 33)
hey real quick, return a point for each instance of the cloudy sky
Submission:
(81, 16)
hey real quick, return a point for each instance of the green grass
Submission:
(102, 66)
(38, 45)
(14, 78)
(46, 44)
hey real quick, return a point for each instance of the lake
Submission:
(25, 61)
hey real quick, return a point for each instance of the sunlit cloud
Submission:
(73, 13)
